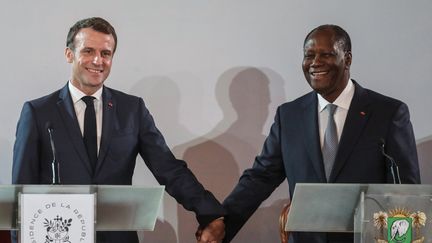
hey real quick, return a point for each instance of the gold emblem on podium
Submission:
(401, 225)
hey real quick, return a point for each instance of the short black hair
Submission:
(340, 34)
(96, 23)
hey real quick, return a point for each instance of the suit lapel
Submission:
(68, 114)
(108, 107)
(311, 137)
(357, 117)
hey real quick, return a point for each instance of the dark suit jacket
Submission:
(128, 129)
(292, 150)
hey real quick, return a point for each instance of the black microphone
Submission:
(55, 170)
(394, 169)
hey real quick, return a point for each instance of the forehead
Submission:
(325, 39)
(88, 37)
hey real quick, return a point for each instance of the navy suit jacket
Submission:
(128, 129)
(292, 150)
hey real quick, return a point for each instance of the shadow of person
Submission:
(424, 150)
(164, 233)
(218, 158)
(162, 97)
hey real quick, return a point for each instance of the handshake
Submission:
(212, 233)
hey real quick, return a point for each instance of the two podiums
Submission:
(382, 213)
(59, 213)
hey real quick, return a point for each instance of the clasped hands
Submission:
(212, 233)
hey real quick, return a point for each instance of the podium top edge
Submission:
(78, 186)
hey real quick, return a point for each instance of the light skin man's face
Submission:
(91, 59)
(325, 64)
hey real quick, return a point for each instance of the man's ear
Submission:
(348, 59)
(69, 54)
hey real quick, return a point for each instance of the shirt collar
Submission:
(77, 94)
(342, 101)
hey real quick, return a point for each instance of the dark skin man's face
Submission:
(326, 64)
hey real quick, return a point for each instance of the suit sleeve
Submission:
(179, 181)
(257, 183)
(25, 168)
(400, 143)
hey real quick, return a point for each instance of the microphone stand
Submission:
(393, 166)
(54, 166)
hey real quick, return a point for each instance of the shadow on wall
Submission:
(424, 150)
(162, 97)
(164, 232)
(218, 158)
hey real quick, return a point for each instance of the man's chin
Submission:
(319, 85)
(96, 82)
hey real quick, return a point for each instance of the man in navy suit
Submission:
(124, 129)
(295, 149)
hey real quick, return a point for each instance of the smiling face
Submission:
(91, 59)
(326, 64)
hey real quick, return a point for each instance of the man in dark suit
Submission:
(305, 144)
(121, 128)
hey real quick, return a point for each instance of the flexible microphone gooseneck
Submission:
(55, 170)
(394, 169)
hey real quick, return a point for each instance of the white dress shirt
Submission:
(343, 102)
(80, 107)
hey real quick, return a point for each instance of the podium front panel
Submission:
(319, 207)
(8, 206)
(131, 208)
(380, 210)
(119, 208)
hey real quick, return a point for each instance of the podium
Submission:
(383, 213)
(114, 207)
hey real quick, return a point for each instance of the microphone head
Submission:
(48, 125)
(382, 142)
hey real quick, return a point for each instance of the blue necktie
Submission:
(330, 146)
(90, 133)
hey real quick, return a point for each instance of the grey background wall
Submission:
(213, 73)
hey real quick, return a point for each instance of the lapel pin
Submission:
(110, 104)
(362, 113)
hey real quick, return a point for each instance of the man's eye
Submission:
(106, 54)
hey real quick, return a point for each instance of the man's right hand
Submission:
(212, 233)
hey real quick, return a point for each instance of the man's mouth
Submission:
(94, 70)
(318, 73)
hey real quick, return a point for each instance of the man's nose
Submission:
(97, 59)
(316, 60)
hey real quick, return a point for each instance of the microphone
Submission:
(55, 170)
(394, 169)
